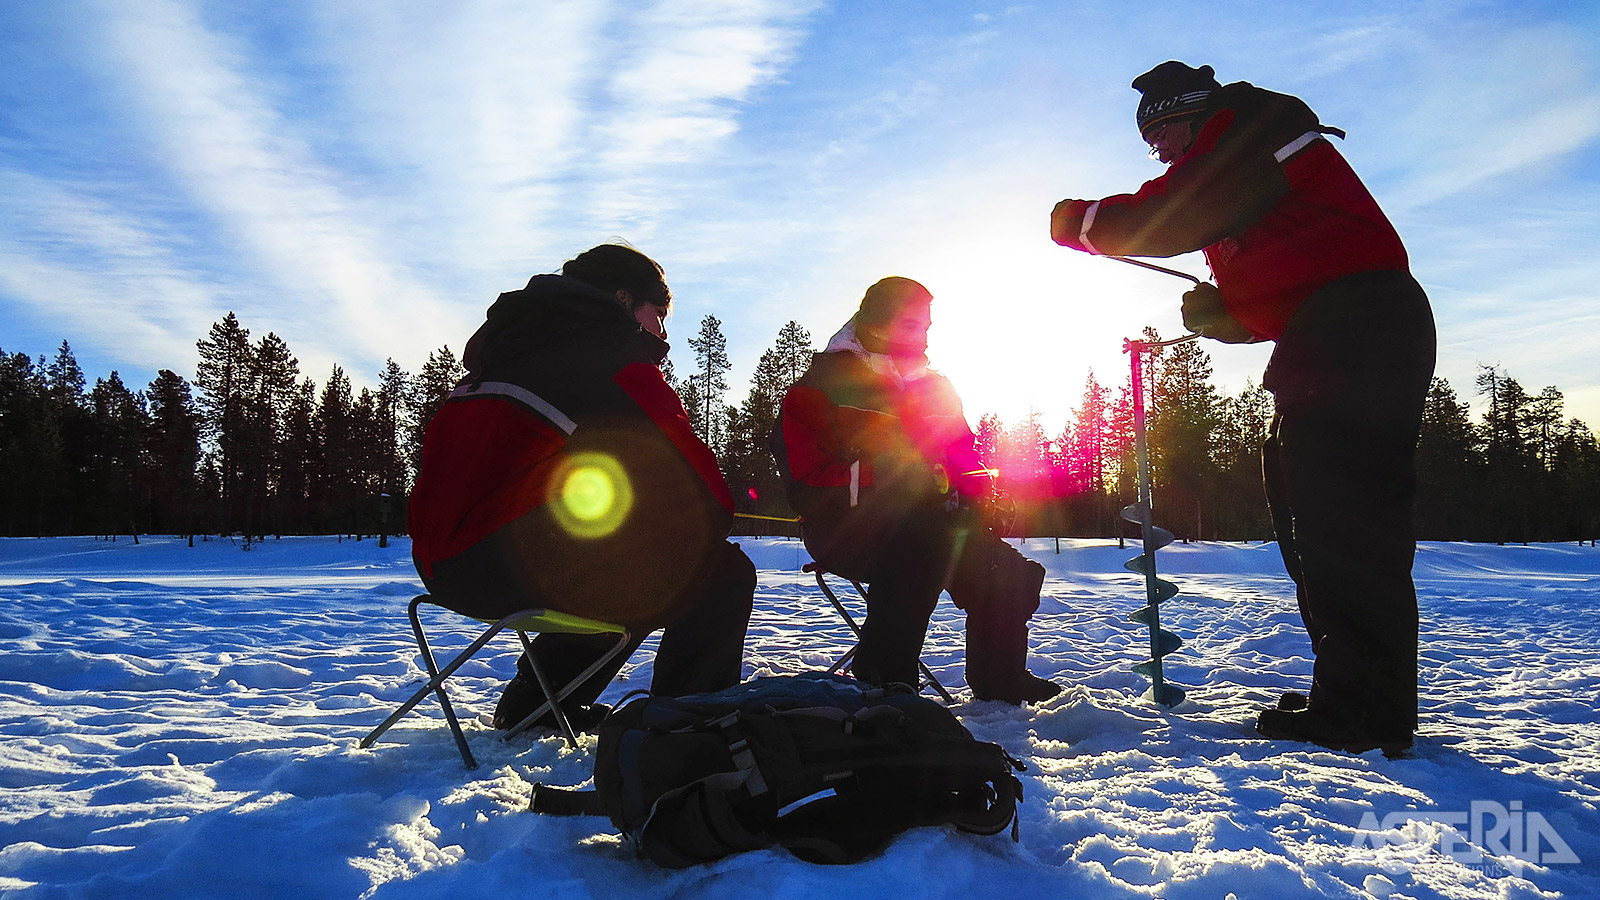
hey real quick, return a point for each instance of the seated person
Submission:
(562, 473)
(884, 470)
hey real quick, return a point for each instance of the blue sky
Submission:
(363, 177)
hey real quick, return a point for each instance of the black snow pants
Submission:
(907, 563)
(1349, 377)
(701, 650)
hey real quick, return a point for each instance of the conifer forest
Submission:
(251, 447)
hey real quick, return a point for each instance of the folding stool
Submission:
(850, 654)
(522, 622)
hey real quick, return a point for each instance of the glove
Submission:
(1202, 306)
(1205, 314)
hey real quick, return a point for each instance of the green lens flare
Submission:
(592, 495)
(588, 493)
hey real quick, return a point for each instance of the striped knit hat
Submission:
(1172, 90)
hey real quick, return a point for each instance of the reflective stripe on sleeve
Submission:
(520, 394)
(1083, 233)
(1296, 145)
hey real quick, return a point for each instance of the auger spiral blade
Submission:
(1166, 693)
(1142, 513)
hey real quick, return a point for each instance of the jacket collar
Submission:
(846, 340)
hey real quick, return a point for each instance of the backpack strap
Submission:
(556, 801)
(696, 823)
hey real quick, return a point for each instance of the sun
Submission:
(1018, 327)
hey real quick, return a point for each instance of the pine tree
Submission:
(334, 486)
(1577, 478)
(1545, 423)
(221, 379)
(394, 386)
(118, 462)
(65, 378)
(73, 503)
(174, 449)
(991, 435)
(1023, 471)
(269, 392)
(367, 463)
(793, 352)
(1090, 437)
(439, 376)
(1546, 432)
(1448, 463)
(1183, 416)
(1509, 456)
(302, 456)
(747, 458)
(1238, 503)
(693, 404)
(711, 371)
(30, 449)
(1089, 461)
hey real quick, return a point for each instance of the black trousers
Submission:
(908, 560)
(701, 649)
(1349, 377)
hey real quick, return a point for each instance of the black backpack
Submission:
(827, 767)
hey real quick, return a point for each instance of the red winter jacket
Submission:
(560, 375)
(1275, 207)
(855, 430)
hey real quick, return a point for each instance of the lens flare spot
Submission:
(589, 493)
(592, 495)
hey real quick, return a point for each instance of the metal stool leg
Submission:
(437, 675)
(553, 698)
(436, 678)
(839, 607)
(544, 685)
(438, 682)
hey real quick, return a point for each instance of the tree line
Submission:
(1523, 472)
(253, 447)
(249, 447)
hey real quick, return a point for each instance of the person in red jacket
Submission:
(1302, 256)
(563, 473)
(884, 470)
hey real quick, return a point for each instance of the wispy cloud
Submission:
(684, 72)
(487, 137)
(473, 116)
(243, 164)
(362, 176)
(96, 272)
(1503, 102)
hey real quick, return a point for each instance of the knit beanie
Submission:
(1172, 90)
(884, 300)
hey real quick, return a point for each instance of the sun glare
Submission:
(1021, 336)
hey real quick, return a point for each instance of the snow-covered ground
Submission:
(180, 722)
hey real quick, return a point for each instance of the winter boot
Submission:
(1293, 701)
(1312, 725)
(997, 659)
(522, 696)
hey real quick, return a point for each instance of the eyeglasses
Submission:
(1157, 137)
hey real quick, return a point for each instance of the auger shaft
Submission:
(1152, 538)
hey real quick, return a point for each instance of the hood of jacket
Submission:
(552, 312)
(901, 370)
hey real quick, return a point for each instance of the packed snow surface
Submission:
(183, 722)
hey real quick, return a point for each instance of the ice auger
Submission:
(1142, 511)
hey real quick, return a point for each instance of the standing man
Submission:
(884, 469)
(1302, 256)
